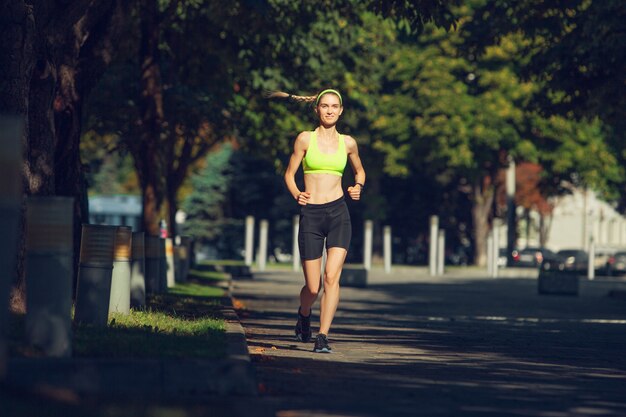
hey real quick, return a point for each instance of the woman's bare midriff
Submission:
(324, 188)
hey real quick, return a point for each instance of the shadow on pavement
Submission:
(473, 348)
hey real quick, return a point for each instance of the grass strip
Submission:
(208, 276)
(222, 262)
(185, 322)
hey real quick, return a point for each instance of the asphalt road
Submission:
(461, 345)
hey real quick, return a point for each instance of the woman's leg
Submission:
(312, 278)
(330, 299)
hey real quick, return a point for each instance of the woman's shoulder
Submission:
(303, 139)
(304, 136)
(349, 141)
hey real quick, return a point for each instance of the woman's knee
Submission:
(313, 289)
(331, 280)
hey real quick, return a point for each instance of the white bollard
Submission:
(490, 254)
(367, 244)
(169, 258)
(387, 248)
(264, 228)
(441, 251)
(295, 248)
(591, 270)
(432, 252)
(249, 248)
(496, 247)
(138, 274)
(119, 300)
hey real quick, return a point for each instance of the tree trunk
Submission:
(482, 203)
(44, 41)
(528, 224)
(84, 58)
(145, 152)
(39, 175)
(70, 179)
(17, 32)
(150, 214)
(545, 221)
(17, 40)
(172, 206)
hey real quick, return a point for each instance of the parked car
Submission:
(616, 264)
(531, 257)
(574, 259)
(601, 260)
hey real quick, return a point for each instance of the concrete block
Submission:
(557, 282)
(353, 276)
(240, 272)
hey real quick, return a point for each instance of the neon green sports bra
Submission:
(316, 162)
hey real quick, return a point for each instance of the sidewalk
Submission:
(458, 345)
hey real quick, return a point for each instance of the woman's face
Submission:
(329, 109)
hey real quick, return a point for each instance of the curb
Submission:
(241, 374)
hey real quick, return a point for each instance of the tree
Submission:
(234, 184)
(576, 47)
(55, 52)
(459, 118)
(178, 107)
(576, 51)
(202, 61)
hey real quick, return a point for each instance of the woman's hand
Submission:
(303, 198)
(355, 192)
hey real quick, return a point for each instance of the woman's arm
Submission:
(357, 167)
(299, 150)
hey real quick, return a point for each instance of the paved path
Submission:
(411, 345)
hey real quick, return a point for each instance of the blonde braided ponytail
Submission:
(283, 95)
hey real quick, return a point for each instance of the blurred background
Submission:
(151, 114)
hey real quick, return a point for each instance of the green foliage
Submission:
(576, 49)
(433, 114)
(579, 154)
(233, 185)
(204, 206)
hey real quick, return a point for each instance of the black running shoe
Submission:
(303, 327)
(321, 344)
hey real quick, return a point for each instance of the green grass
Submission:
(197, 289)
(152, 334)
(223, 262)
(208, 276)
(185, 322)
(279, 265)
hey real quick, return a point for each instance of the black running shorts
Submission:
(319, 221)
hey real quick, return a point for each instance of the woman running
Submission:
(324, 214)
